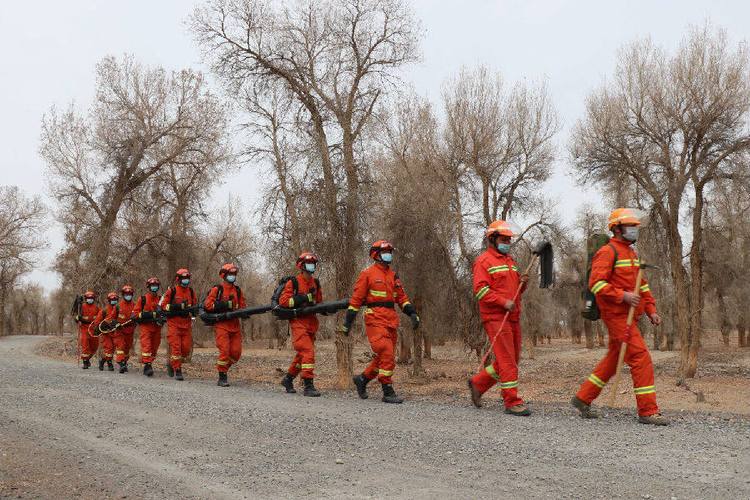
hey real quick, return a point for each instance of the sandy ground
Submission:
(722, 384)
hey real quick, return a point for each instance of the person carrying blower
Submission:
(179, 303)
(147, 313)
(225, 297)
(614, 272)
(498, 287)
(378, 289)
(301, 291)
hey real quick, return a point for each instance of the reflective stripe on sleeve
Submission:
(597, 381)
(598, 286)
(482, 292)
(647, 389)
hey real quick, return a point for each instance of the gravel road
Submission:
(67, 432)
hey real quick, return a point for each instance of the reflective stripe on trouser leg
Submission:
(229, 344)
(303, 341)
(504, 369)
(383, 343)
(642, 372)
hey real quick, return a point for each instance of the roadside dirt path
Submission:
(67, 432)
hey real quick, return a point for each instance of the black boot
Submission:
(310, 389)
(123, 366)
(148, 370)
(389, 395)
(170, 370)
(178, 375)
(223, 382)
(101, 364)
(86, 364)
(360, 381)
(126, 365)
(288, 383)
(110, 367)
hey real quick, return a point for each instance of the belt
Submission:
(388, 305)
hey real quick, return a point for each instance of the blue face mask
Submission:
(503, 248)
(185, 282)
(386, 257)
(231, 278)
(127, 297)
(89, 301)
(113, 302)
(309, 267)
(154, 288)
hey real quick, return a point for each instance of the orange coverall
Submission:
(149, 331)
(303, 328)
(179, 328)
(89, 315)
(378, 289)
(609, 280)
(123, 337)
(106, 340)
(496, 280)
(227, 333)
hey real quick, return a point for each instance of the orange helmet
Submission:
(127, 289)
(228, 269)
(627, 216)
(153, 281)
(182, 273)
(306, 258)
(499, 228)
(112, 296)
(380, 246)
(89, 295)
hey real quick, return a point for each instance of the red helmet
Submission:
(112, 296)
(228, 269)
(378, 247)
(127, 290)
(153, 281)
(306, 258)
(499, 228)
(89, 295)
(182, 273)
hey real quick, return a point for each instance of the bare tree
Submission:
(143, 121)
(22, 223)
(671, 125)
(336, 59)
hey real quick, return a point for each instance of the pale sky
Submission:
(49, 50)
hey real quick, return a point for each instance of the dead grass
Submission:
(552, 376)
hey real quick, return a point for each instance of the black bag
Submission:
(590, 308)
(285, 312)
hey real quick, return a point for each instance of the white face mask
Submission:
(630, 233)
(309, 267)
(89, 301)
(127, 297)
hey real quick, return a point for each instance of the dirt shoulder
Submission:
(722, 385)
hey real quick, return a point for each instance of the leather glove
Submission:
(409, 309)
(415, 321)
(348, 320)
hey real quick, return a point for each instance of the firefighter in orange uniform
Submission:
(106, 321)
(225, 297)
(147, 313)
(614, 271)
(378, 289)
(123, 336)
(179, 302)
(86, 318)
(496, 280)
(301, 291)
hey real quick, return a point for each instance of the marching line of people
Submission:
(498, 287)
